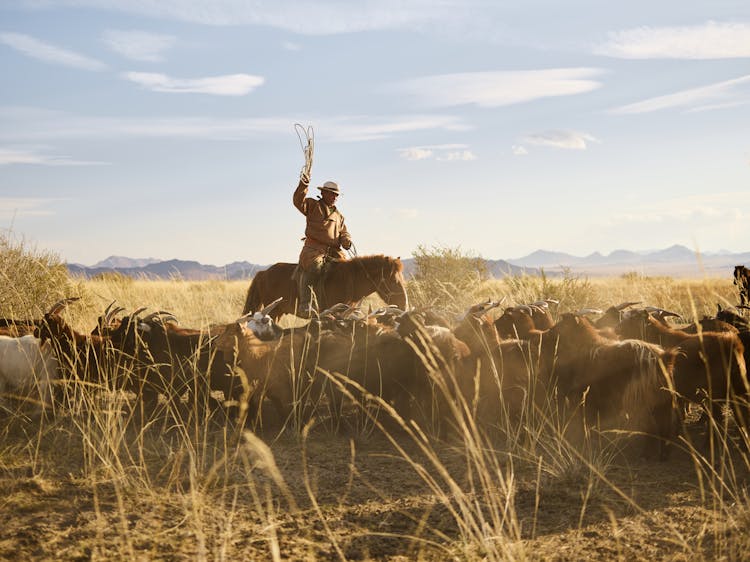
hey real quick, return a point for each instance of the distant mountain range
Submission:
(171, 269)
(676, 261)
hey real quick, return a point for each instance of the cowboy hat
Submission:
(331, 186)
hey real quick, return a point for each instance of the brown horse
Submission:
(346, 281)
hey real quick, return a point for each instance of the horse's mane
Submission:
(374, 263)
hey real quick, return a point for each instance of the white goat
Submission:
(27, 368)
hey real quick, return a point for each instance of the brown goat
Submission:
(436, 355)
(709, 365)
(619, 384)
(613, 315)
(363, 359)
(497, 380)
(514, 322)
(173, 360)
(276, 370)
(734, 317)
(84, 356)
(519, 321)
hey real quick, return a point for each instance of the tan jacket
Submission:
(325, 232)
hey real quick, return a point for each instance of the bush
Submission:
(445, 277)
(30, 279)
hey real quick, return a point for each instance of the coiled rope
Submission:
(308, 148)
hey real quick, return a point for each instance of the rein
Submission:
(377, 284)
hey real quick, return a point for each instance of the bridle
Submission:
(382, 287)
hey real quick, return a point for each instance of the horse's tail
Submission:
(253, 299)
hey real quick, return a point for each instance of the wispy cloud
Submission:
(139, 45)
(34, 125)
(442, 152)
(47, 52)
(291, 46)
(364, 128)
(712, 40)
(11, 207)
(298, 16)
(498, 88)
(569, 140)
(728, 93)
(416, 153)
(459, 155)
(37, 157)
(227, 85)
(519, 150)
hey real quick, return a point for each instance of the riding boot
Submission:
(308, 283)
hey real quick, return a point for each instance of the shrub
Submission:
(445, 277)
(30, 279)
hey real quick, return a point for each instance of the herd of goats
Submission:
(630, 367)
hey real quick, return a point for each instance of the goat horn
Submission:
(357, 314)
(390, 310)
(267, 310)
(109, 313)
(243, 318)
(483, 307)
(137, 311)
(585, 311)
(624, 305)
(162, 315)
(660, 312)
(61, 304)
(106, 310)
(336, 308)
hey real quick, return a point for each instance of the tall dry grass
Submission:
(219, 491)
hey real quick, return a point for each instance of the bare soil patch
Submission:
(336, 497)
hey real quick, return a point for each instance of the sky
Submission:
(166, 128)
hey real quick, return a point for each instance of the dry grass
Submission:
(93, 482)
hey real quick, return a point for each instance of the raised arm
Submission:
(300, 196)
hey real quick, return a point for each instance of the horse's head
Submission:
(391, 287)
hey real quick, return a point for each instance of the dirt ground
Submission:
(167, 496)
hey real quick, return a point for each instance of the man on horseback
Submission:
(325, 236)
